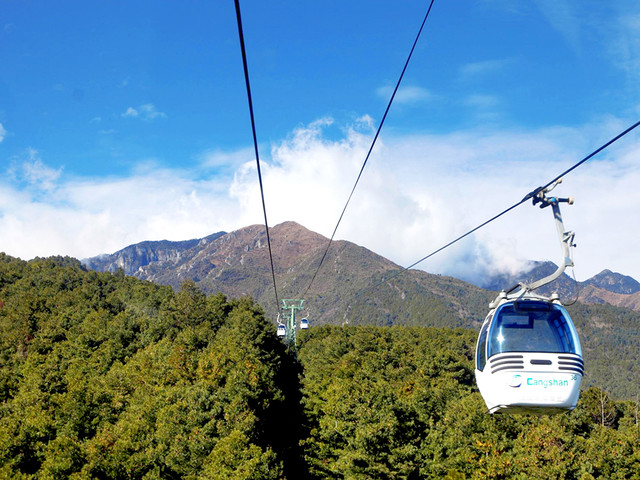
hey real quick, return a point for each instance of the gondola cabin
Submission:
(282, 331)
(304, 323)
(528, 356)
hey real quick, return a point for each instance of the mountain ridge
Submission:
(131, 258)
(229, 262)
(237, 264)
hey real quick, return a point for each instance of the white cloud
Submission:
(40, 175)
(483, 68)
(619, 36)
(481, 101)
(146, 112)
(563, 16)
(3, 133)
(149, 112)
(416, 194)
(131, 112)
(226, 160)
(410, 94)
(33, 173)
(625, 46)
(86, 217)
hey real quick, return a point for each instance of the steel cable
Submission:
(375, 138)
(527, 197)
(255, 145)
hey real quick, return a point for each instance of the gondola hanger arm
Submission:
(566, 238)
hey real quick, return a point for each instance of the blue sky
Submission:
(128, 121)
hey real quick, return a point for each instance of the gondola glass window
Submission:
(531, 326)
(481, 358)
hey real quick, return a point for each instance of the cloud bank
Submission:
(416, 194)
(145, 112)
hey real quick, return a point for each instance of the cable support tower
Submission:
(375, 138)
(531, 195)
(255, 146)
(292, 305)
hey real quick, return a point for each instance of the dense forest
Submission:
(106, 376)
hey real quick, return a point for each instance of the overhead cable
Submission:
(527, 197)
(375, 138)
(255, 146)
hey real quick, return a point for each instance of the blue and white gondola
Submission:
(528, 355)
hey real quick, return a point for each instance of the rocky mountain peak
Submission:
(614, 282)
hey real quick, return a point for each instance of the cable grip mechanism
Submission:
(565, 238)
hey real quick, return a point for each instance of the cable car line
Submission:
(255, 146)
(530, 195)
(375, 138)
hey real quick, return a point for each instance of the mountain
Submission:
(593, 294)
(606, 287)
(614, 282)
(237, 264)
(130, 259)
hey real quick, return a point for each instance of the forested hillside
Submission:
(106, 376)
(400, 402)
